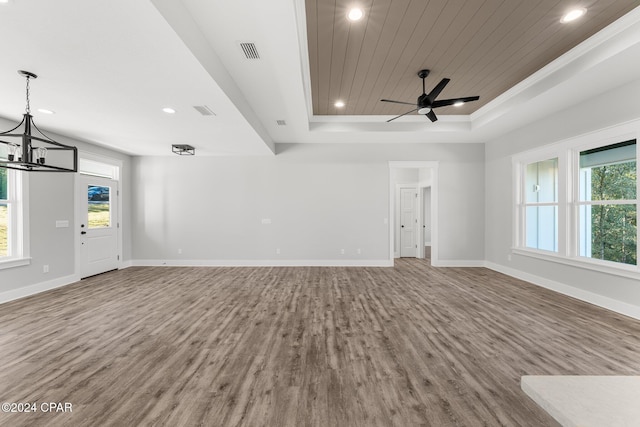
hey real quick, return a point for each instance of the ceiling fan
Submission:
(427, 102)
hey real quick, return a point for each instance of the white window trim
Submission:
(19, 199)
(568, 154)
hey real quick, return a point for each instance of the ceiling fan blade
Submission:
(397, 117)
(436, 90)
(432, 116)
(445, 102)
(398, 102)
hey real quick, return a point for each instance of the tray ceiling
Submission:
(484, 47)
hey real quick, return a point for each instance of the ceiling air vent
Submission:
(281, 122)
(250, 51)
(204, 110)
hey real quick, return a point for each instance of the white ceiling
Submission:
(108, 68)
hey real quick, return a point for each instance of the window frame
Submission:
(18, 220)
(520, 169)
(568, 154)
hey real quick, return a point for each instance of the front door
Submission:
(408, 222)
(97, 224)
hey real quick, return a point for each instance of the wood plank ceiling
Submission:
(484, 47)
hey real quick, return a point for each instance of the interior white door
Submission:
(98, 224)
(408, 222)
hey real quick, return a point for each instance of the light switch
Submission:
(62, 223)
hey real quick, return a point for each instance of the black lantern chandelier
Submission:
(28, 152)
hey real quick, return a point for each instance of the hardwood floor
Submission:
(302, 346)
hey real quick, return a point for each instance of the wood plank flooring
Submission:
(411, 345)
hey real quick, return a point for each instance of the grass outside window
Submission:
(99, 214)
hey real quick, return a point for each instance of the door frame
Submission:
(117, 166)
(434, 167)
(423, 191)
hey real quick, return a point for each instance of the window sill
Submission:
(623, 270)
(14, 262)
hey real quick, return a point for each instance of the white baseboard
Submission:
(26, 291)
(590, 297)
(263, 263)
(456, 263)
(126, 264)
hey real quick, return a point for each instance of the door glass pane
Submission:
(99, 206)
(608, 232)
(4, 251)
(542, 227)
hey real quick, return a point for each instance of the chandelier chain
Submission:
(28, 107)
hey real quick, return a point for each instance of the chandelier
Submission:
(35, 152)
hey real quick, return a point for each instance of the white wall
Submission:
(615, 107)
(51, 198)
(320, 199)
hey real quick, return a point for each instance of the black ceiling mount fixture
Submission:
(29, 152)
(183, 149)
(427, 102)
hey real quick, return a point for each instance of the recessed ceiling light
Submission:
(4, 1)
(355, 14)
(572, 15)
(339, 104)
(458, 104)
(169, 110)
(44, 110)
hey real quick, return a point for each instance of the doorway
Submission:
(423, 177)
(98, 213)
(426, 222)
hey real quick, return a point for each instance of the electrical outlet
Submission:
(45, 268)
(341, 251)
(179, 251)
(359, 251)
(278, 251)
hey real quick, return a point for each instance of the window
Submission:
(607, 203)
(99, 215)
(4, 213)
(541, 205)
(13, 248)
(576, 201)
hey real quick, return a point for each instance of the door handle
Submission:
(83, 232)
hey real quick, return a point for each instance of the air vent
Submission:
(281, 122)
(204, 110)
(250, 51)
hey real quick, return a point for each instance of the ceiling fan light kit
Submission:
(427, 102)
(28, 152)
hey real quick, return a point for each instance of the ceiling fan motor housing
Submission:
(423, 104)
